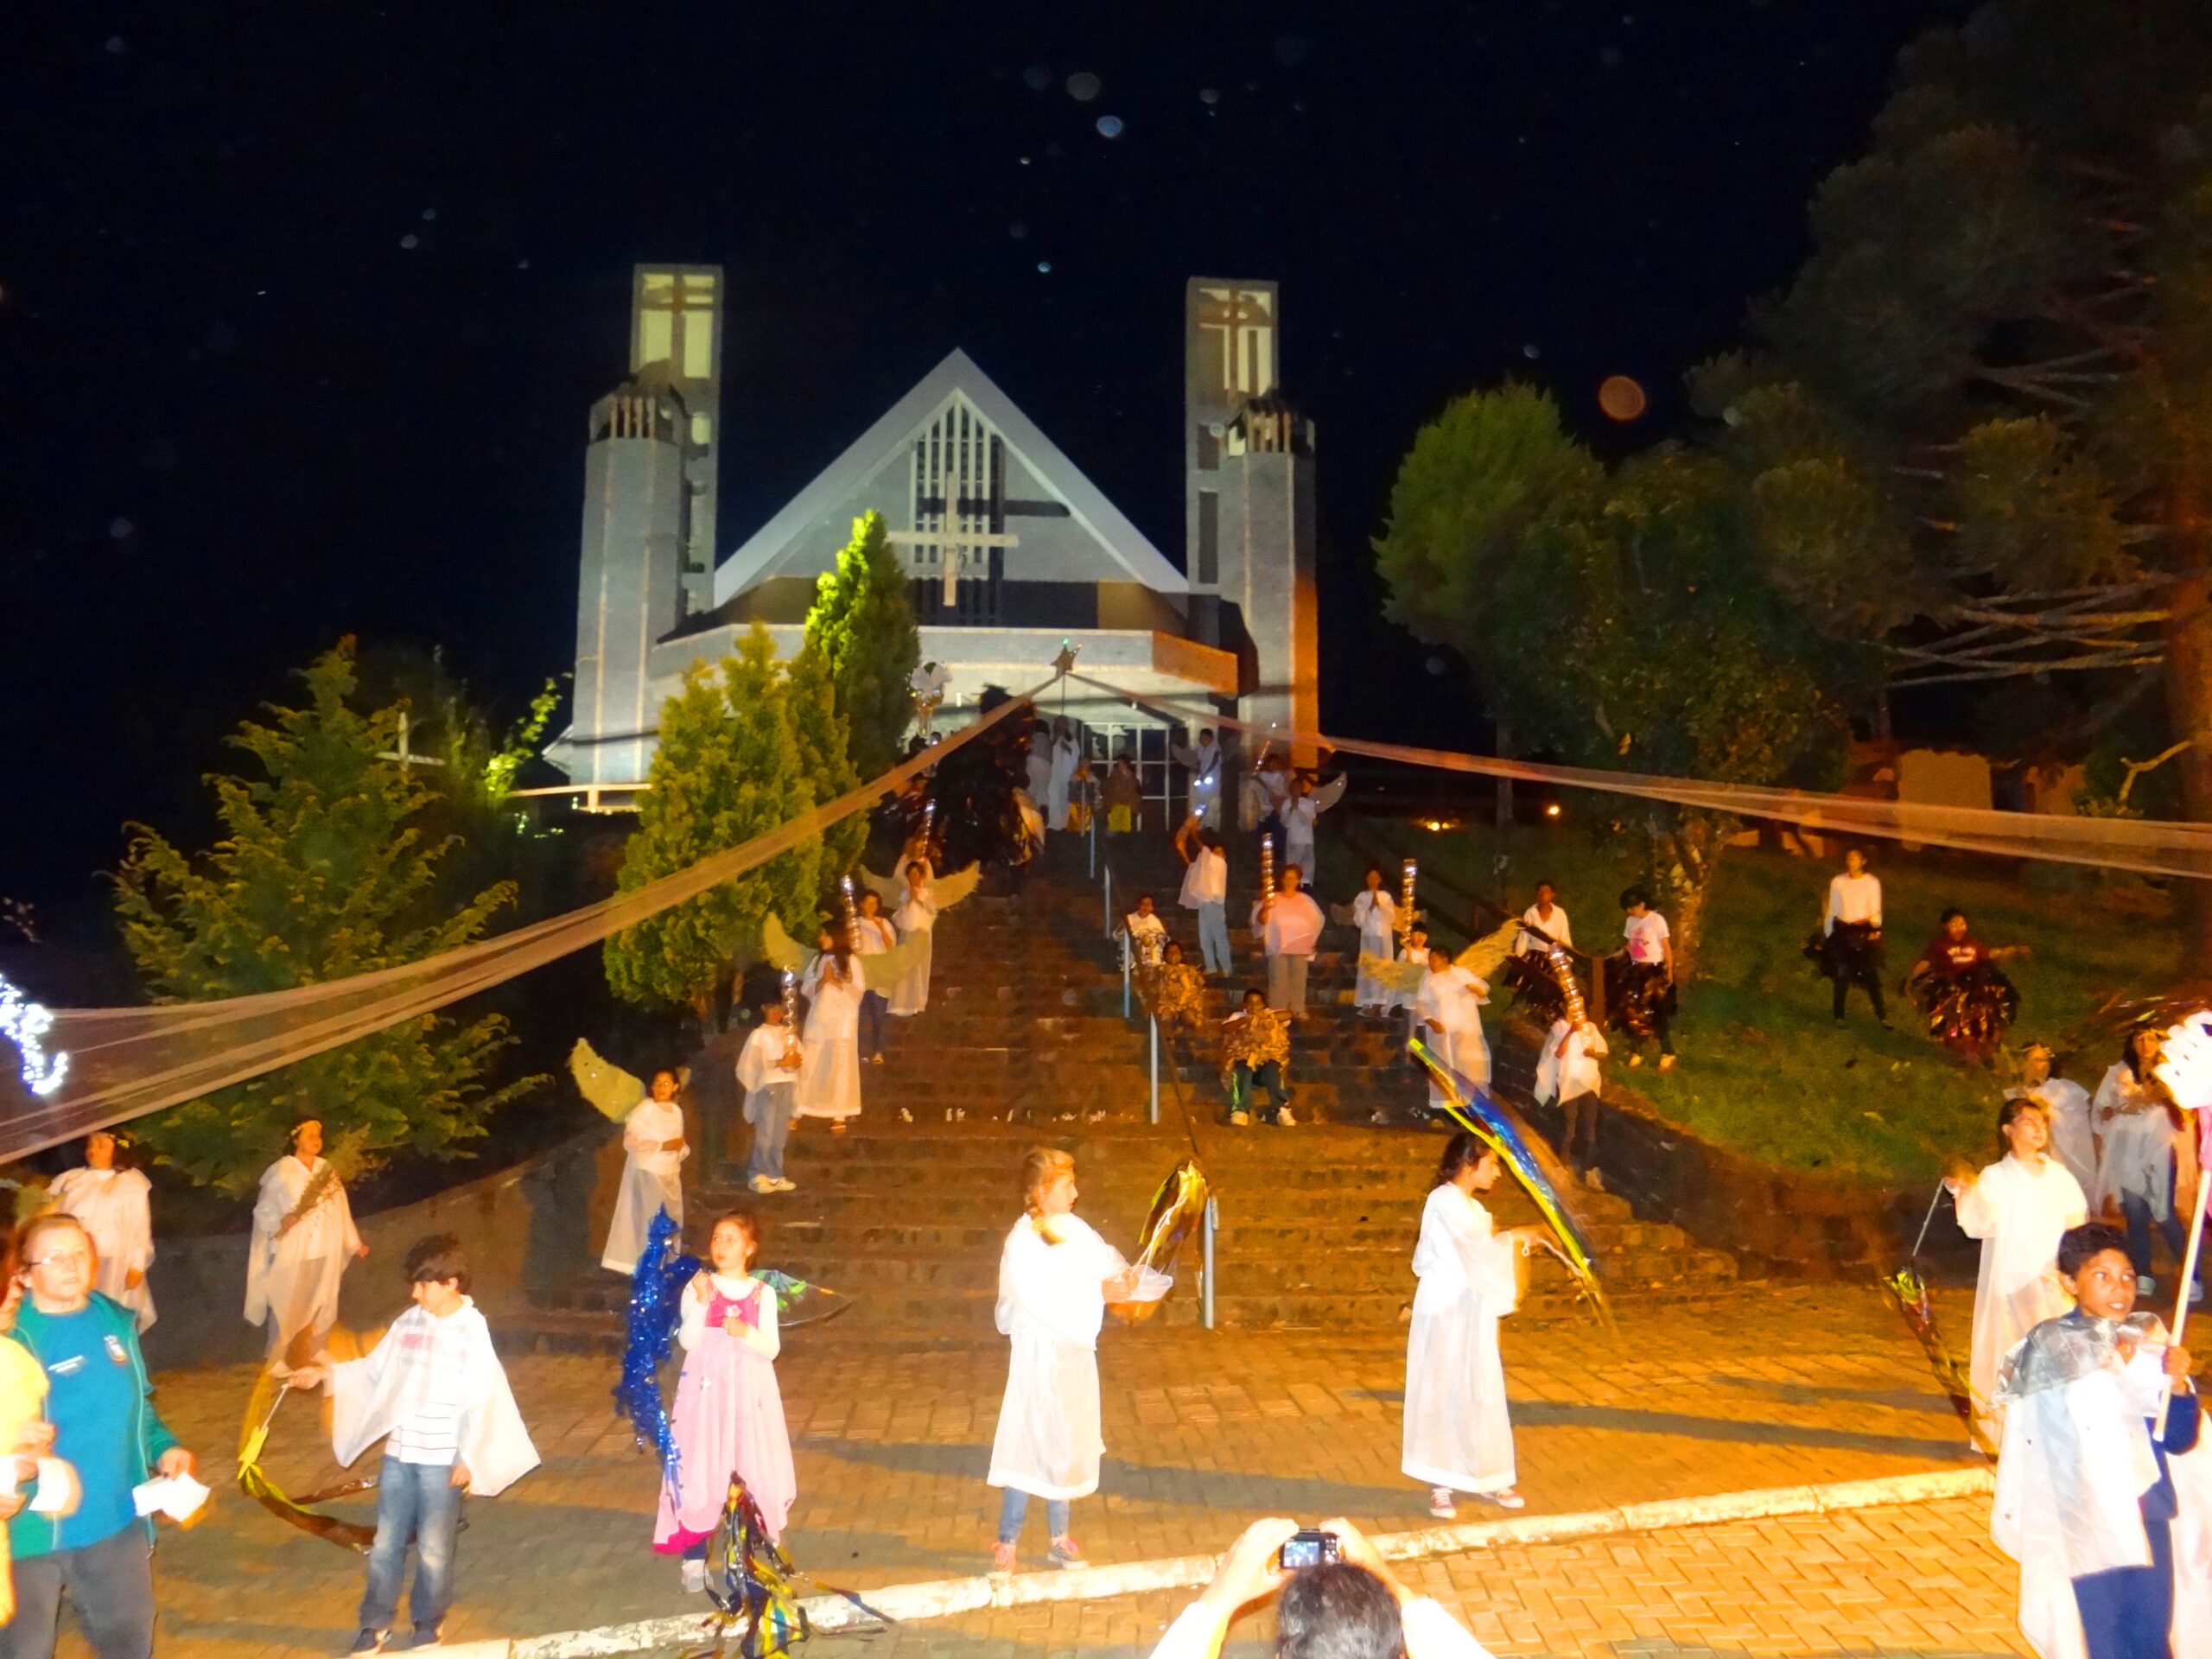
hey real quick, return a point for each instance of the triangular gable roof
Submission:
(884, 442)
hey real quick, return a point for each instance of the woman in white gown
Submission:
(1056, 1276)
(1459, 1438)
(2017, 1207)
(653, 1151)
(1067, 755)
(830, 1075)
(916, 913)
(113, 1204)
(303, 1240)
(1375, 913)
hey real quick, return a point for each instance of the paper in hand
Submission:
(178, 1496)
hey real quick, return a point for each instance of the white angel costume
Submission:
(1453, 999)
(1052, 1302)
(1375, 915)
(917, 920)
(1036, 764)
(292, 1281)
(1458, 1432)
(429, 1365)
(1297, 813)
(2066, 1104)
(113, 1205)
(2137, 1156)
(830, 1076)
(651, 1181)
(1066, 757)
(2017, 1213)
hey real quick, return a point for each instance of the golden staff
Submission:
(1406, 897)
(790, 1011)
(1266, 869)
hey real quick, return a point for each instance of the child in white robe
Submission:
(653, 1154)
(2073, 1141)
(2019, 1207)
(1458, 1437)
(1449, 1010)
(916, 915)
(829, 1077)
(1056, 1276)
(2085, 1500)
(114, 1206)
(303, 1241)
(1375, 913)
(435, 1392)
(767, 1069)
(1568, 1069)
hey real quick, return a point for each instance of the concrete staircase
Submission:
(1024, 1036)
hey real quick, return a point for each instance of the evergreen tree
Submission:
(1618, 619)
(727, 767)
(324, 870)
(825, 755)
(863, 624)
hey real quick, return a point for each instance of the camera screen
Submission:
(1308, 1550)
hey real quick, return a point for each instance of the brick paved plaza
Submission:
(1771, 1386)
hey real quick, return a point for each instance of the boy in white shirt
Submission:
(1205, 889)
(1851, 935)
(767, 1068)
(1549, 916)
(1645, 1000)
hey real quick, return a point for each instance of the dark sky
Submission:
(301, 307)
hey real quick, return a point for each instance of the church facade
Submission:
(1010, 550)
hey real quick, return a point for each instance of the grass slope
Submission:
(1763, 1068)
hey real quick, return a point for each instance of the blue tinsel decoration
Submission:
(655, 1309)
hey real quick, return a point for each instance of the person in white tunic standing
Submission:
(653, 1173)
(2066, 1103)
(1056, 1276)
(1206, 890)
(1067, 757)
(2018, 1207)
(2139, 1142)
(115, 1206)
(916, 915)
(1449, 1012)
(303, 1241)
(1548, 916)
(1375, 913)
(829, 1077)
(1458, 1437)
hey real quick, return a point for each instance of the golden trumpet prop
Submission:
(1406, 875)
(852, 913)
(791, 1008)
(1266, 869)
(1176, 1208)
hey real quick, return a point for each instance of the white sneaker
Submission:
(2145, 1285)
(1286, 1119)
(784, 1185)
(2196, 1294)
(1240, 1120)
(905, 1116)
(695, 1578)
(1440, 1504)
(1593, 1179)
(761, 1184)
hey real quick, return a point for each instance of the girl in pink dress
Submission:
(729, 1413)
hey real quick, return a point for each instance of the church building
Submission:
(1012, 550)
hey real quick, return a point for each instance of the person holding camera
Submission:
(1338, 1600)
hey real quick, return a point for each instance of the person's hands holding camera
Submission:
(1250, 1570)
(1356, 1547)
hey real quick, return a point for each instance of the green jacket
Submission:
(32, 1534)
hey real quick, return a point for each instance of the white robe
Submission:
(652, 1181)
(113, 1205)
(1458, 1432)
(2017, 1216)
(2136, 1157)
(829, 1077)
(2072, 1143)
(1037, 765)
(1051, 1304)
(1454, 999)
(372, 1395)
(1567, 1067)
(1066, 757)
(1375, 914)
(292, 1281)
(1298, 814)
(917, 916)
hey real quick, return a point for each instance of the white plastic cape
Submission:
(2017, 1216)
(1458, 1432)
(372, 1395)
(1051, 1305)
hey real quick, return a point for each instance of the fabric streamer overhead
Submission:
(129, 1061)
(2145, 846)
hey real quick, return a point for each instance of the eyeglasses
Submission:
(73, 1259)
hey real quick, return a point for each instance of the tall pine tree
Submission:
(862, 623)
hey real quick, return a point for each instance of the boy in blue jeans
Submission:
(435, 1392)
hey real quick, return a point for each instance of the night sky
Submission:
(302, 308)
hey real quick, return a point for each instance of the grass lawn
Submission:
(1763, 1068)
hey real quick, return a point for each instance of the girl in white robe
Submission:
(1375, 913)
(1458, 1437)
(1449, 1010)
(1067, 756)
(653, 1173)
(113, 1205)
(1056, 1276)
(2073, 1141)
(300, 1250)
(829, 1077)
(2018, 1207)
(916, 913)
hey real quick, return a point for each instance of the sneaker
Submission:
(2196, 1294)
(1240, 1120)
(1636, 1059)
(1666, 1062)
(878, 1060)
(1440, 1504)
(1002, 1558)
(1286, 1119)
(905, 1116)
(1507, 1499)
(1593, 1179)
(2145, 1285)
(429, 1636)
(784, 1185)
(695, 1578)
(1065, 1552)
(761, 1183)
(370, 1641)
(1378, 1118)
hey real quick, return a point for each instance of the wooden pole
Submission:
(2188, 1270)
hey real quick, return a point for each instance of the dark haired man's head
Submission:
(1338, 1610)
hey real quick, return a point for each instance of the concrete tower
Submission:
(1248, 502)
(638, 504)
(675, 324)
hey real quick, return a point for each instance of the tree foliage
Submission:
(825, 753)
(862, 623)
(730, 765)
(325, 869)
(1620, 620)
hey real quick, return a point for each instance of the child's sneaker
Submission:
(1002, 1558)
(1440, 1504)
(785, 1184)
(695, 1578)
(370, 1641)
(762, 1183)
(1065, 1552)
(1284, 1120)
(429, 1636)
(1240, 1120)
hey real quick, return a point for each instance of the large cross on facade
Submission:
(955, 545)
